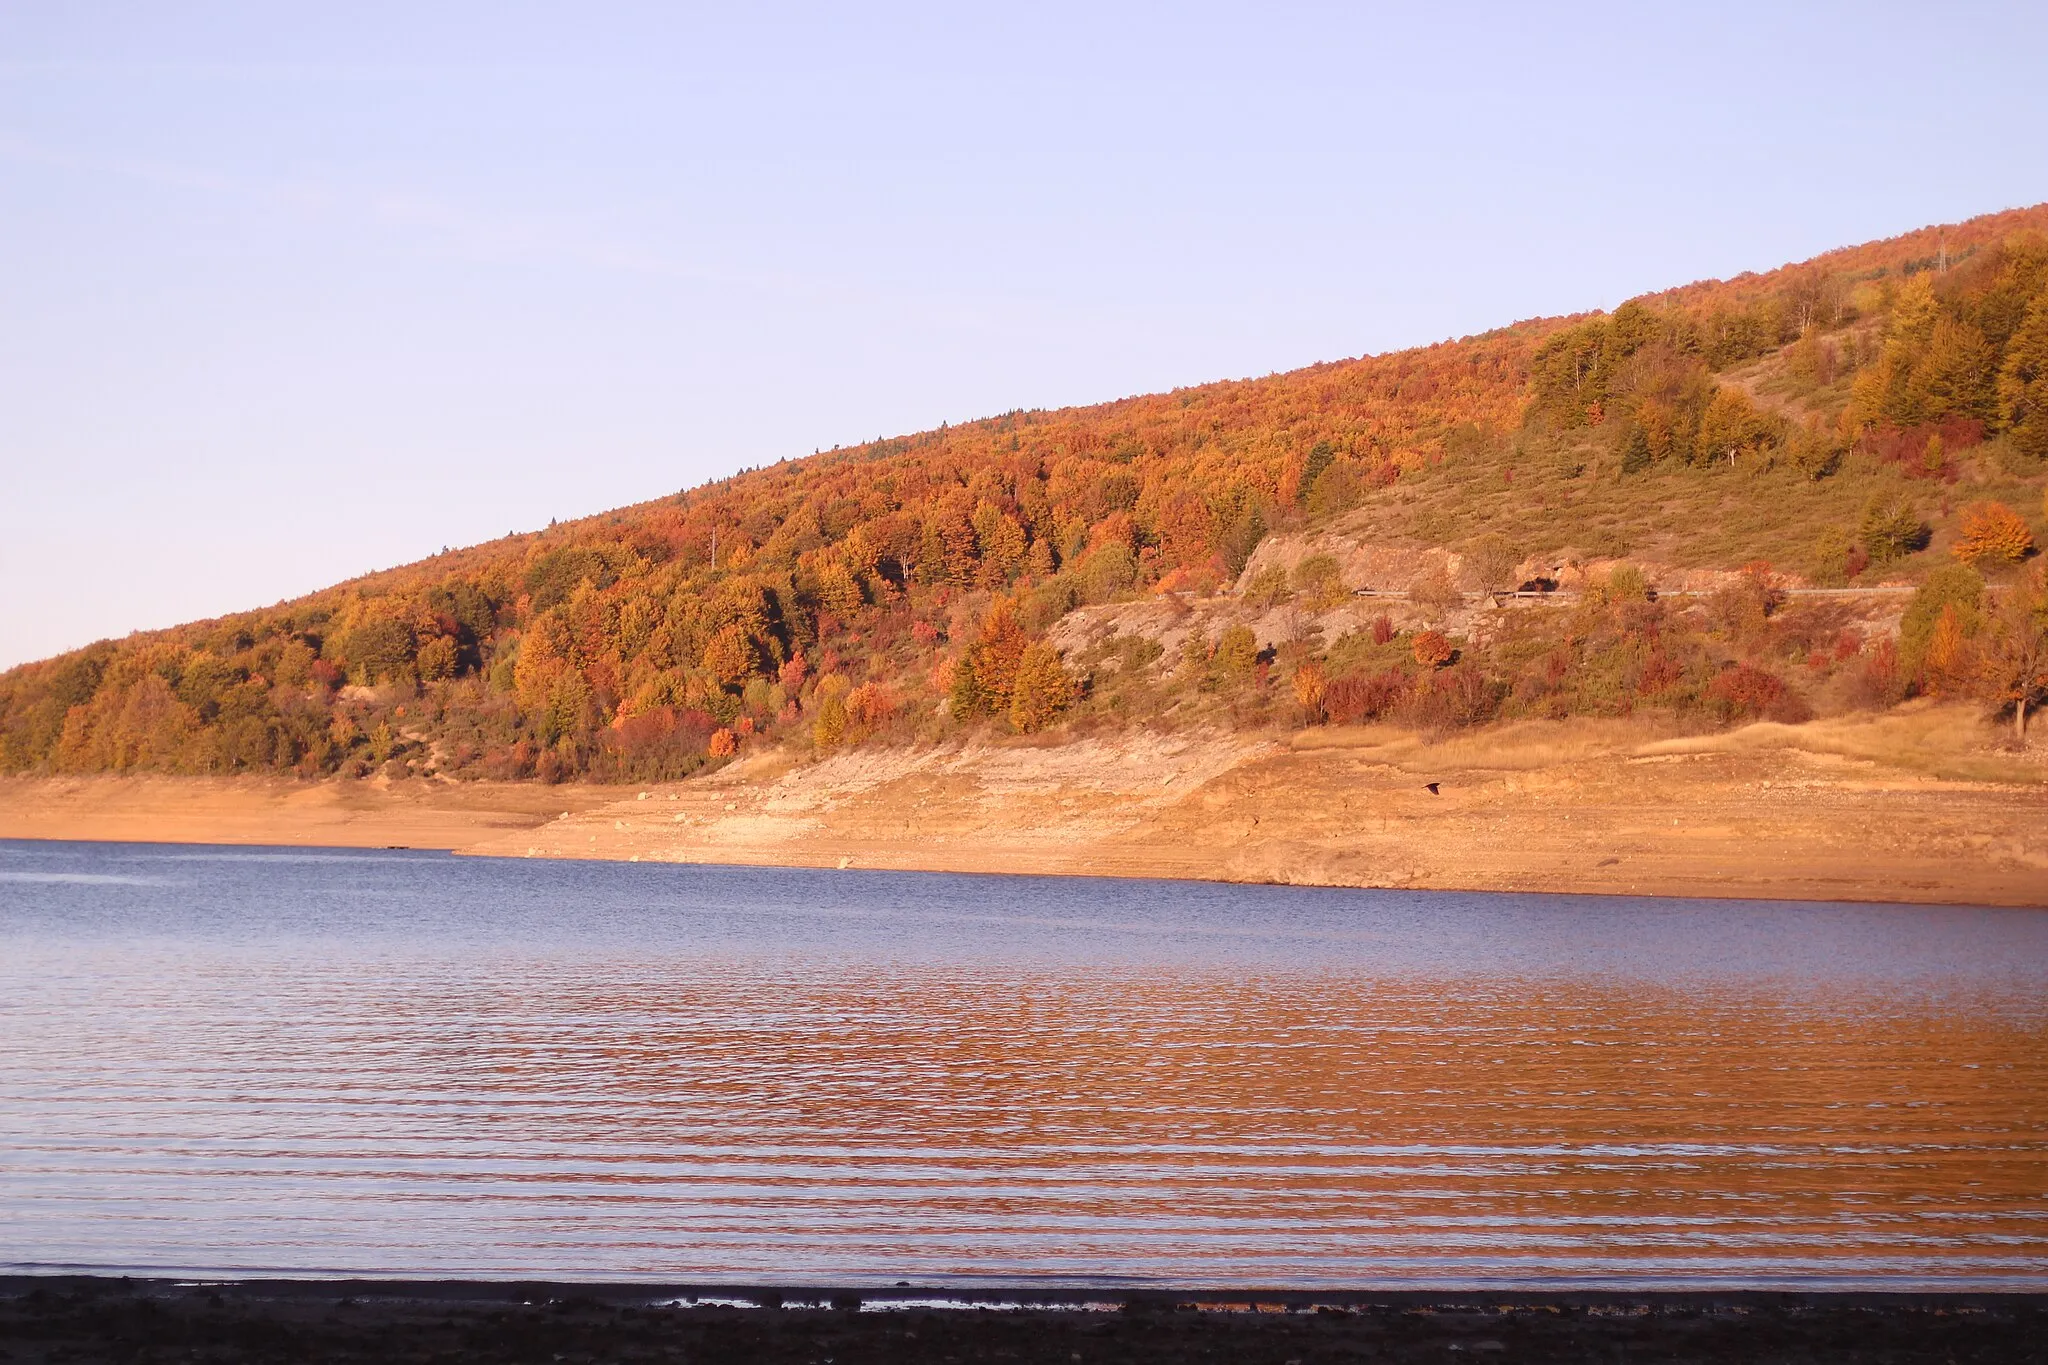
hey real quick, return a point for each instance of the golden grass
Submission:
(1517, 746)
(1947, 741)
(1936, 740)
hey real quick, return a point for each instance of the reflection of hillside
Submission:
(1199, 1124)
(410, 1063)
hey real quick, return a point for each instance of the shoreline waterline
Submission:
(88, 1322)
(1680, 851)
(1095, 1293)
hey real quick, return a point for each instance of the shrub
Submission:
(1336, 489)
(1237, 654)
(1436, 591)
(661, 743)
(1320, 580)
(1431, 649)
(1881, 681)
(1352, 700)
(1744, 692)
(1814, 452)
(1453, 697)
(1268, 587)
(1310, 686)
(1625, 583)
(1048, 602)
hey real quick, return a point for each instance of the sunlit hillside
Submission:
(1325, 546)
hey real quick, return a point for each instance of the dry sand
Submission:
(1914, 806)
(268, 810)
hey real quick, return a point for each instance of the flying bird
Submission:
(1432, 789)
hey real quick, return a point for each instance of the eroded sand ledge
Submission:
(1911, 807)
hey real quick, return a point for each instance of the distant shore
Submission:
(1906, 807)
(87, 1320)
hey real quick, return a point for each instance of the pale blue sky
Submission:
(288, 293)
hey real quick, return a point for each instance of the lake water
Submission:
(221, 1060)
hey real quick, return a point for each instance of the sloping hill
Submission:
(1857, 420)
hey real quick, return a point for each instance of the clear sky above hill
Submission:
(287, 294)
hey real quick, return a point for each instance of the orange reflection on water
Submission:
(748, 1119)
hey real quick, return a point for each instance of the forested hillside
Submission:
(1878, 415)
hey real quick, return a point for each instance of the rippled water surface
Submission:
(220, 1060)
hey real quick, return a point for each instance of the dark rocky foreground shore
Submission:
(87, 1320)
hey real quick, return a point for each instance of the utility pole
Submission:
(714, 547)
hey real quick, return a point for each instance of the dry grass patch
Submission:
(1519, 746)
(1944, 741)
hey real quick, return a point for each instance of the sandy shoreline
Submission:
(1902, 808)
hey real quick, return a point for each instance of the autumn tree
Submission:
(2014, 657)
(1311, 685)
(1491, 561)
(1732, 427)
(838, 590)
(1939, 624)
(870, 706)
(1002, 544)
(1891, 527)
(1993, 533)
(984, 677)
(1237, 654)
(1955, 375)
(1042, 690)
(2023, 382)
(1814, 451)
(828, 726)
(729, 656)
(436, 660)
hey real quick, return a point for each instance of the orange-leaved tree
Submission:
(1311, 685)
(1993, 533)
(1432, 649)
(1042, 688)
(2015, 655)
